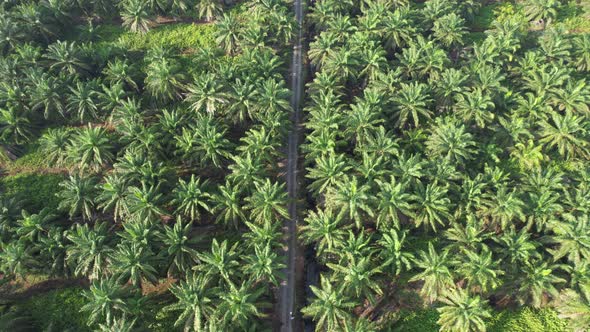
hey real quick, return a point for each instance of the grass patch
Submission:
(58, 309)
(36, 190)
(180, 36)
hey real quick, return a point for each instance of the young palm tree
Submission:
(240, 306)
(83, 100)
(144, 203)
(432, 205)
(112, 195)
(46, 94)
(164, 80)
(412, 101)
(475, 106)
(90, 251)
(268, 201)
(436, 272)
(575, 309)
(222, 261)
(179, 244)
(31, 226)
(15, 127)
(392, 252)
(329, 308)
(566, 133)
(16, 258)
(394, 201)
(132, 263)
(77, 196)
(537, 281)
(195, 297)
(449, 30)
(324, 229)
(105, 301)
(135, 16)
(227, 32)
(545, 10)
(450, 140)
(358, 277)
(462, 312)
(207, 93)
(264, 265)
(208, 9)
(227, 206)
(572, 237)
(191, 198)
(120, 71)
(328, 169)
(90, 148)
(351, 199)
(480, 270)
(65, 56)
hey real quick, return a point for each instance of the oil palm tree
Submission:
(133, 263)
(111, 196)
(195, 301)
(90, 251)
(226, 204)
(396, 259)
(90, 148)
(358, 277)
(164, 79)
(329, 308)
(120, 71)
(221, 261)
(449, 139)
(106, 301)
(480, 270)
(436, 272)
(208, 9)
(179, 247)
(574, 307)
(16, 258)
(77, 196)
(15, 126)
(449, 30)
(135, 16)
(326, 172)
(412, 101)
(564, 133)
(240, 306)
(268, 201)
(82, 101)
(351, 199)
(66, 56)
(475, 106)
(191, 198)
(206, 93)
(537, 280)
(572, 239)
(227, 33)
(144, 203)
(462, 312)
(324, 229)
(393, 201)
(31, 226)
(432, 205)
(264, 265)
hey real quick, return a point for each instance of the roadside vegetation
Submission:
(447, 165)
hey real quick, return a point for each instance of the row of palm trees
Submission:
(172, 159)
(445, 167)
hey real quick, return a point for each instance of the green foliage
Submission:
(37, 190)
(58, 309)
(526, 320)
(182, 36)
(424, 320)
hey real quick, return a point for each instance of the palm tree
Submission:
(449, 30)
(31, 226)
(462, 312)
(350, 198)
(208, 9)
(272, 97)
(240, 306)
(222, 261)
(179, 246)
(572, 237)
(268, 201)
(16, 258)
(575, 309)
(46, 94)
(83, 100)
(191, 197)
(328, 169)
(537, 280)
(264, 265)
(392, 253)
(112, 195)
(517, 248)
(66, 56)
(135, 16)
(143, 203)
(206, 93)
(246, 170)
(432, 205)
(105, 301)
(164, 79)
(545, 10)
(581, 52)
(398, 27)
(132, 263)
(565, 134)
(329, 308)
(15, 126)
(412, 100)
(90, 251)
(120, 71)
(436, 272)
(475, 106)
(52, 248)
(480, 270)
(227, 32)
(194, 301)
(90, 148)
(450, 140)
(504, 207)
(77, 195)
(324, 229)
(226, 204)
(358, 276)
(393, 202)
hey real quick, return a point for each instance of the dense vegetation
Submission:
(445, 151)
(447, 167)
(141, 152)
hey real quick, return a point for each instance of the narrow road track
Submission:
(289, 313)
